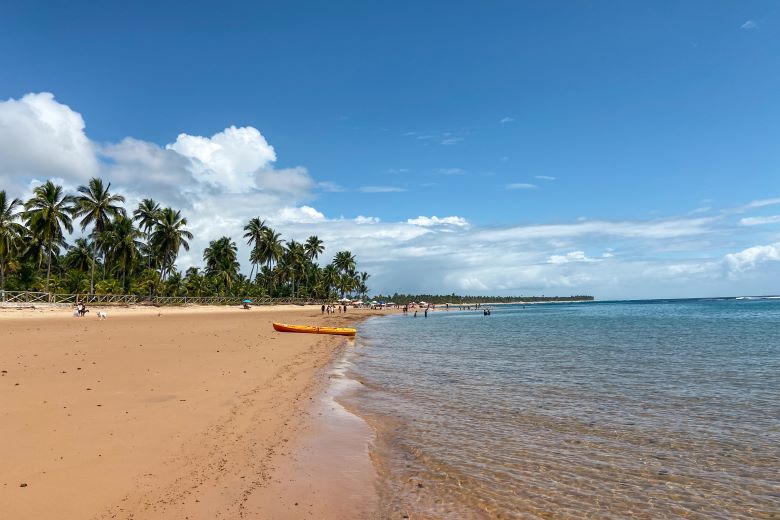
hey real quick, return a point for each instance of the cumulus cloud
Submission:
(146, 168)
(752, 257)
(299, 214)
(221, 181)
(42, 138)
(294, 182)
(228, 159)
(436, 221)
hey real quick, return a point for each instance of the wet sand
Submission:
(175, 413)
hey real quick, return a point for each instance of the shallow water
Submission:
(664, 409)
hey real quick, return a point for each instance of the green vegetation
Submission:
(453, 298)
(122, 253)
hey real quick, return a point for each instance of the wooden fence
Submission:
(25, 298)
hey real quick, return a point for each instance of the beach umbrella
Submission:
(247, 301)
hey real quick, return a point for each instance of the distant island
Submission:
(457, 299)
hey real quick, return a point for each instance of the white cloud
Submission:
(292, 182)
(573, 256)
(146, 168)
(443, 138)
(748, 25)
(299, 214)
(449, 141)
(330, 187)
(219, 182)
(761, 203)
(436, 221)
(360, 219)
(752, 257)
(521, 186)
(505, 120)
(380, 189)
(544, 177)
(228, 159)
(660, 229)
(42, 138)
(757, 221)
(451, 171)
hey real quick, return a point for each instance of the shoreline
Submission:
(181, 414)
(328, 471)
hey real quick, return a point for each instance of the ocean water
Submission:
(655, 409)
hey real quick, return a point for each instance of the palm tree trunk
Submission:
(92, 274)
(48, 270)
(2, 278)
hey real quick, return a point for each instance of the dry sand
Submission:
(166, 413)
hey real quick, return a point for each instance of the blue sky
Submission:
(549, 139)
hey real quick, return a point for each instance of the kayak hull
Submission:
(307, 329)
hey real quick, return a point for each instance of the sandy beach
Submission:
(176, 413)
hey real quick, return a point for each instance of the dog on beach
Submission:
(102, 315)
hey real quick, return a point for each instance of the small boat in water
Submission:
(339, 331)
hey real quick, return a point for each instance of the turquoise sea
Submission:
(636, 409)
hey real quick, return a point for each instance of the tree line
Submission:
(463, 300)
(123, 252)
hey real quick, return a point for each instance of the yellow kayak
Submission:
(339, 331)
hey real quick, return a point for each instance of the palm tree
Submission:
(344, 261)
(79, 255)
(221, 261)
(194, 281)
(10, 232)
(124, 242)
(147, 214)
(363, 288)
(330, 278)
(174, 286)
(255, 230)
(96, 205)
(346, 284)
(314, 247)
(46, 213)
(168, 237)
(271, 250)
(295, 259)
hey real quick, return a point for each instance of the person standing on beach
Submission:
(323, 308)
